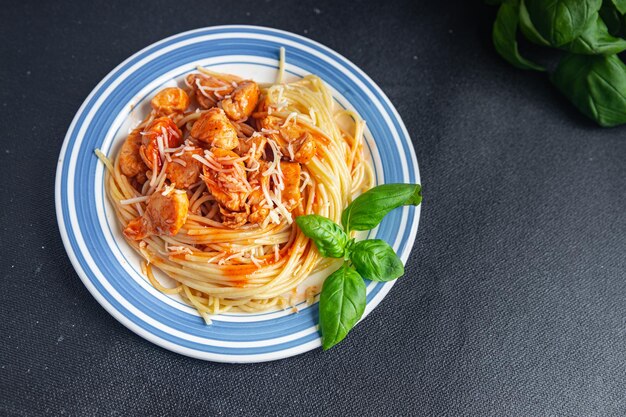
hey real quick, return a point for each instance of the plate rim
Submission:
(153, 338)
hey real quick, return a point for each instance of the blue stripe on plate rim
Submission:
(80, 217)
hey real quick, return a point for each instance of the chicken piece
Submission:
(228, 185)
(258, 215)
(233, 219)
(213, 128)
(138, 180)
(170, 100)
(257, 182)
(256, 200)
(164, 216)
(242, 101)
(290, 132)
(255, 145)
(208, 90)
(130, 160)
(303, 143)
(291, 192)
(163, 129)
(187, 173)
(306, 148)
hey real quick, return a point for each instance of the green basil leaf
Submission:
(611, 17)
(561, 21)
(596, 85)
(620, 5)
(504, 37)
(368, 209)
(341, 305)
(527, 27)
(375, 260)
(327, 235)
(596, 40)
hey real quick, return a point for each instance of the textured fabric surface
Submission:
(514, 300)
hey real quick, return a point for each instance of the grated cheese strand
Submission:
(134, 200)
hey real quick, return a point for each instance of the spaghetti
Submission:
(207, 187)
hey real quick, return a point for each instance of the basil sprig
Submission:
(620, 5)
(596, 40)
(343, 300)
(342, 303)
(330, 240)
(504, 36)
(368, 209)
(584, 81)
(561, 21)
(590, 32)
(375, 260)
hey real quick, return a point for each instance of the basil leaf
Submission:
(375, 260)
(368, 209)
(341, 305)
(561, 21)
(504, 37)
(327, 235)
(620, 5)
(596, 85)
(527, 27)
(611, 17)
(595, 40)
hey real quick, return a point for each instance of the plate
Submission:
(108, 266)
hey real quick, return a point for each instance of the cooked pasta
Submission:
(207, 187)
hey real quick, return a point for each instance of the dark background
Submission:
(514, 301)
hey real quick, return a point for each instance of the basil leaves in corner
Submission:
(591, 32)
(561, 21)
(596, 40)
(505, 36)
(620, 5)
(343, 299)
(596, 85)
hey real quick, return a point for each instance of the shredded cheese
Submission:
(305, 178)
(153, 180)
(282, 209)
(292, 116)
(134, 200)
(290, 150)
(161, 146)
(179, 161)
(205, 162)
(168, 189)
(255, 261)
(177, 250)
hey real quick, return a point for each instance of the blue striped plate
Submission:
(92, 238)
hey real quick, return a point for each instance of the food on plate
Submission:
(208, 186)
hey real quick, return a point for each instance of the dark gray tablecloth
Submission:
(514, 301)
